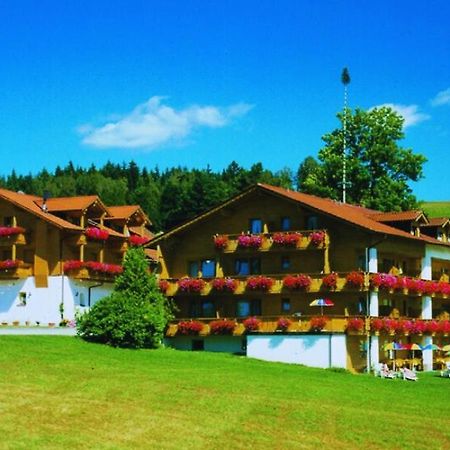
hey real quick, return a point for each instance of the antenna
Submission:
(345, 78)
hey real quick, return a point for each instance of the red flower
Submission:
(220, 242)
(283, 323)
(9, 264)
(95, 266)
(260, 283)
(415, 285)
(288, 239)
(191, 284)
(355, 324)
(330, 281)
(74, 264)
(300, 282)
(376, 324)
(224, 284)
(419, 327)
(96, 233)
(391, 325)
(318, 323)
(223, 326)
(251, 324)
(249, 241)
(432, 327)
(163, 286)
(10, 231)
(444, 326)
(443, 288)
(406, 326)
(192, 327)
(355, 279)
(317, 238)
(136, 240)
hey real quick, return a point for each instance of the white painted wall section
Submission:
(373, 260)
(373, 304)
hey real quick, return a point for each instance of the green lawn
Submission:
(60, 392)
(436, 209)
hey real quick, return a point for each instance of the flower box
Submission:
(190, 328)
(96, 234)
(355, 324)
(73, 264)
(224, 284)
(355, 280)
(376, 325)
(220, 242)
(163, 286)
(317, 238)
(249, 241)
(9, 264)
(260, 283)
(383, 281)
(11, 231)
(192, 285)
(432, 327)
(419, 327)
(318, 323)
(283, 324)
(287, 239)
(444, 326)
(251, 324)
(297, 282)
(415, 286)
(330, 281)
(135, 240)
(222, 327)
(99, 267)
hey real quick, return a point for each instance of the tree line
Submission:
(379, 171)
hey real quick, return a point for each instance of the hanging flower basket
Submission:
(11, 231)
(220, 242)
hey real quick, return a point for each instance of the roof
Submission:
(437, 222)
(78, 203)
(352, 214)
(32, 204)
(125, 212)
(398, 216)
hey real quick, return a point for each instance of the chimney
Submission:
(45, 197)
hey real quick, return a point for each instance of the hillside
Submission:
(436, 209)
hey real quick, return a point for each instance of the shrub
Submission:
(318, 323)
(134, 315)
(192, 327)
(251, 324)
(223, 326)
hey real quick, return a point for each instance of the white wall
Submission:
(315, 350)
(42, 304)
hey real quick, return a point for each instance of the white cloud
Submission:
(410, 113)
(152, 124)
(442, 98)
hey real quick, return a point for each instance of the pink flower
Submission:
(283, 323)
(317, 237)
(251, 324)
(136, 240)
(96, 233)
(10, 231)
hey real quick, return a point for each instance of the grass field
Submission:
(436, 209)
(60, 392)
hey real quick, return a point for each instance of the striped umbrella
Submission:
(321, 302)
(431, 347)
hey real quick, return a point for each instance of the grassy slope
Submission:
(61, 392)
(436, 209)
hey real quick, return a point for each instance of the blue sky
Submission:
(205, 82)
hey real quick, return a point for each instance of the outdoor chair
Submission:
(409, 374)
(385, 372)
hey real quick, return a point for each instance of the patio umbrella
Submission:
(431, 347)
(321, 302)
(394, 346)
(446, 348)
(414, 347)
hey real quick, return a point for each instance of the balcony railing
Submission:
(91, 270)
(285, 240)
(313, 282)
(392, 329)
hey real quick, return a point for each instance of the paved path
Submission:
(42, 331)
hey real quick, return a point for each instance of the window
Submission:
(285, 262)
(285, 223)
(247, 266)
(193, 269)
(247, 308)
(193, 309)
(361, 262)
(285, 305)
(7, 221)
(312, 223)
(208, 268)
(208, 309)
(256, 226)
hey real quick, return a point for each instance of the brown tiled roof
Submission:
(152, 254)
(397, 216)
(125, 212)
(355, 215)
(31, 204)
(137, 230)
(79, 203)
(436, 222)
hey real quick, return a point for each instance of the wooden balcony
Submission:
(14, 239)
(263, 242)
